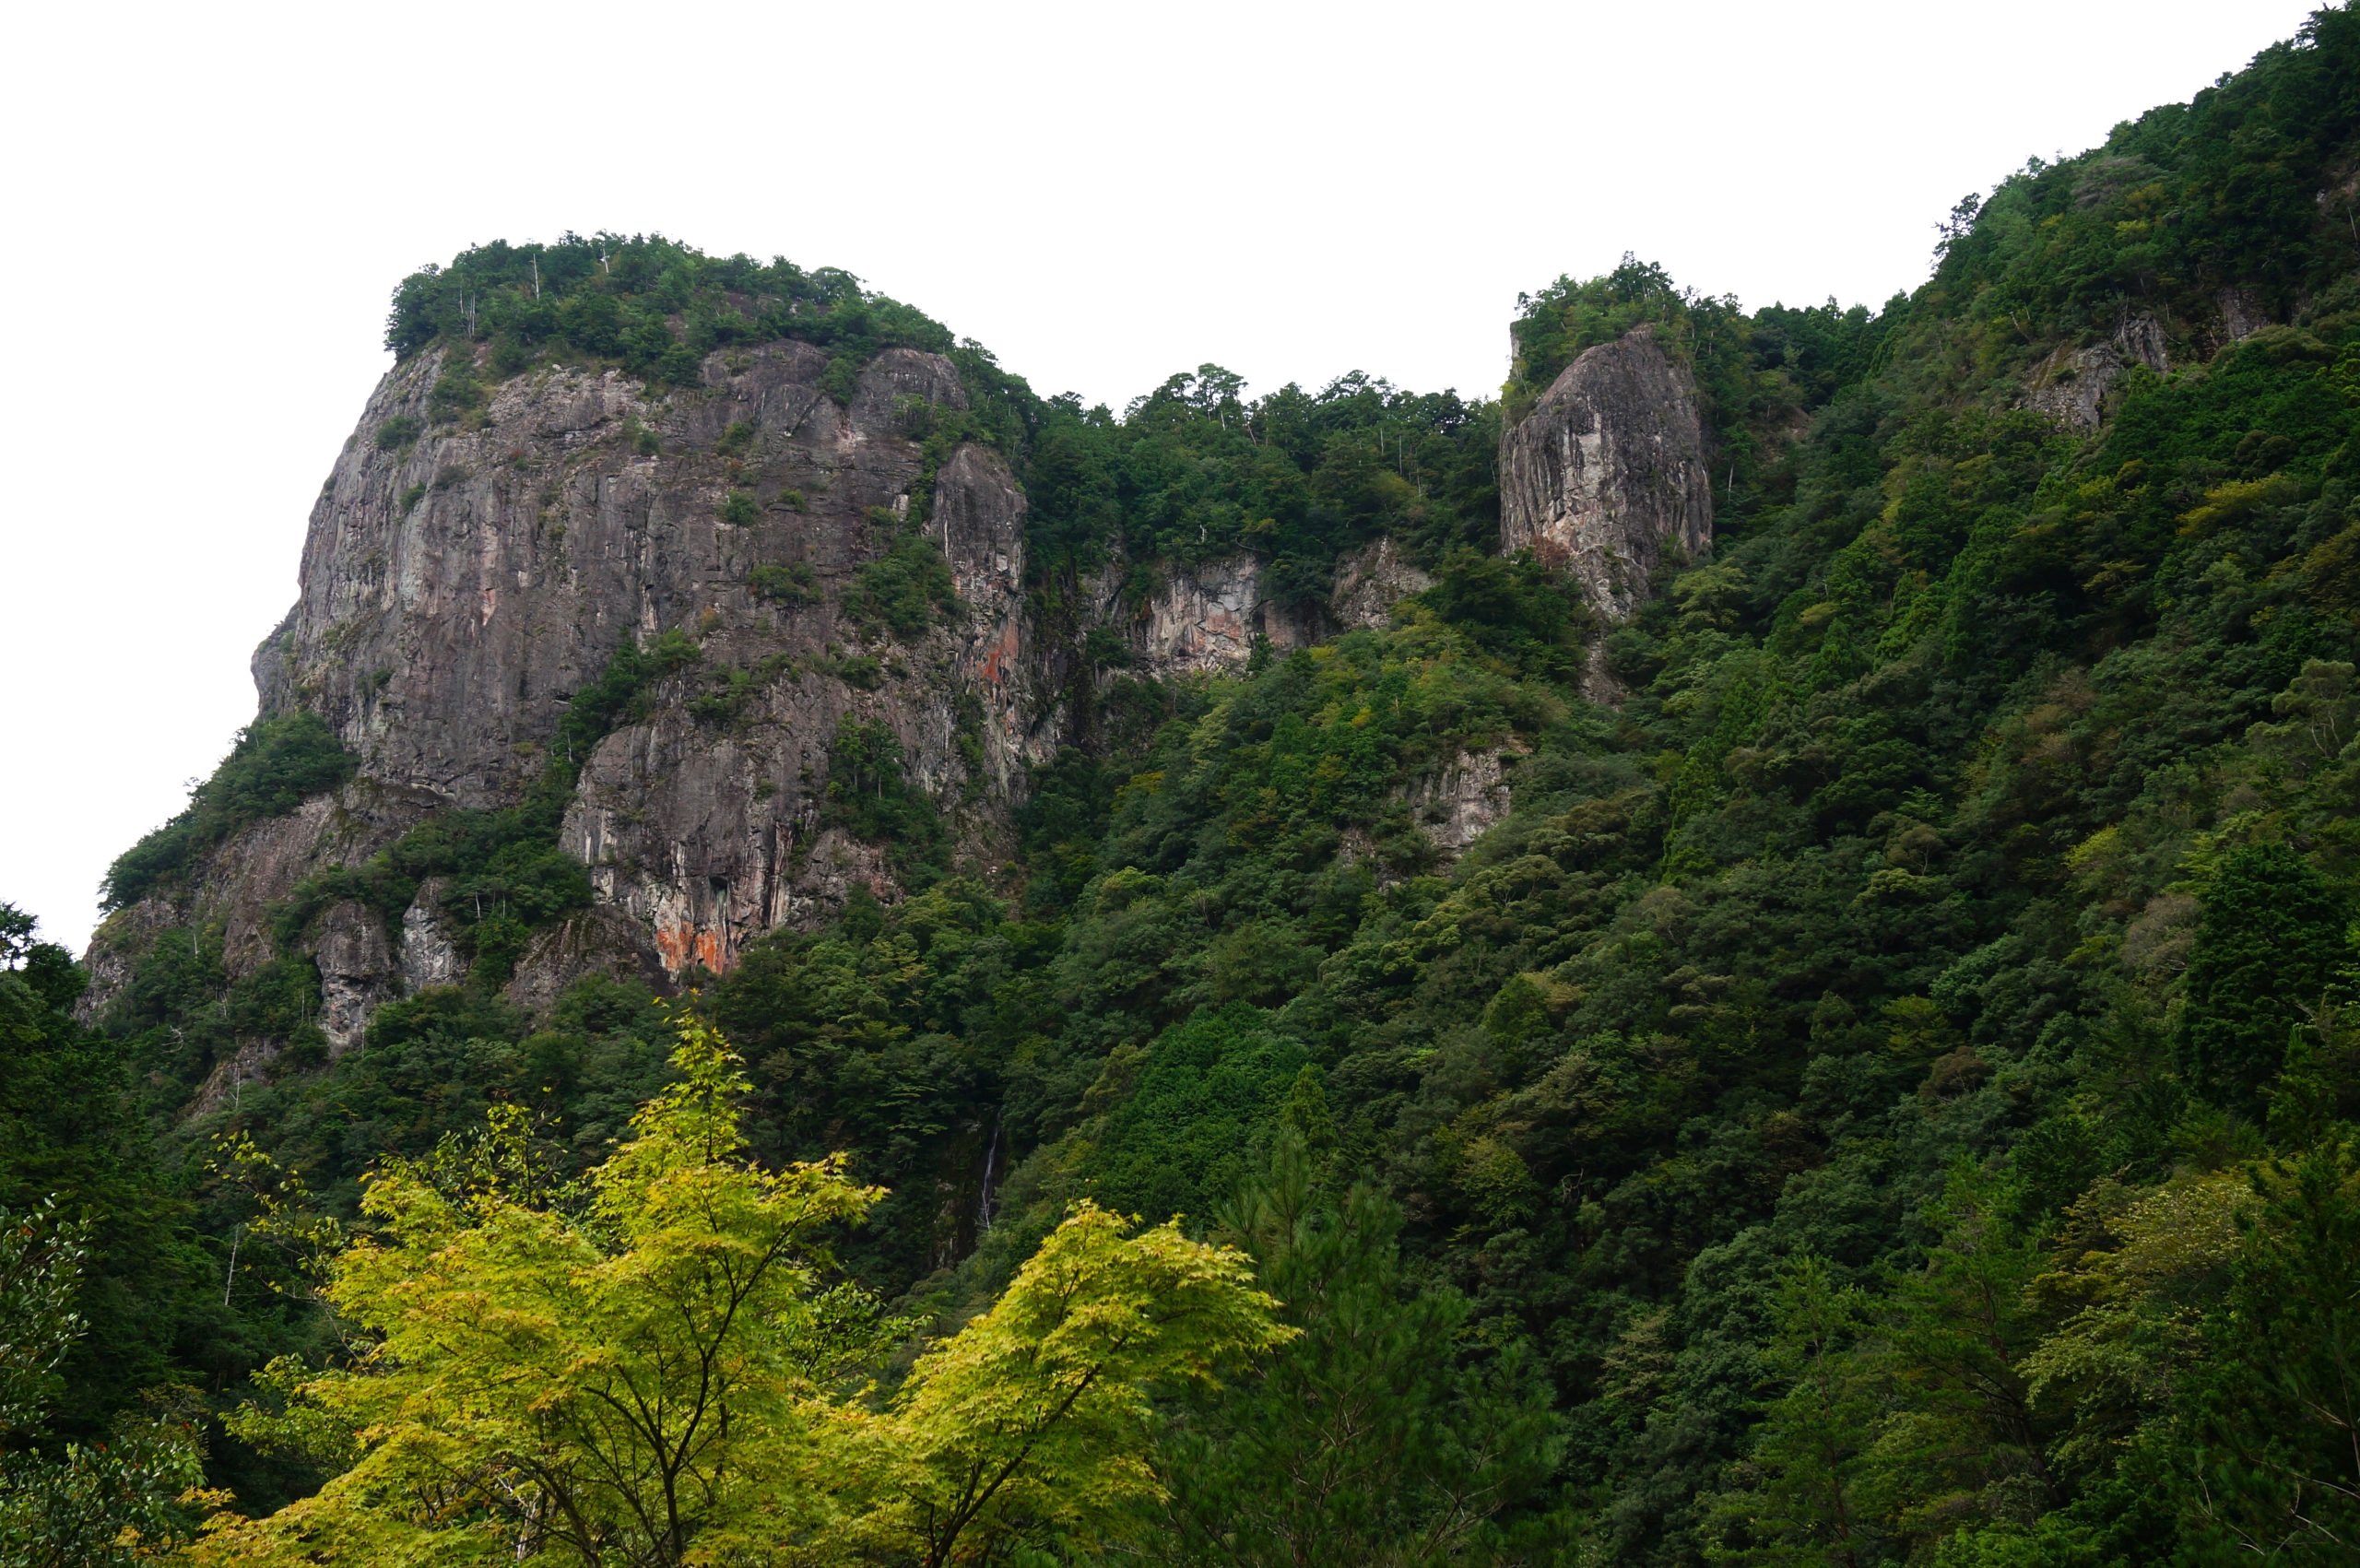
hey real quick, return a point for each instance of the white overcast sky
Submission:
(208, 205)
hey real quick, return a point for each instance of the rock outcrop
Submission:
(465, 578)
(475, 562)
(2241, 314)
(1370, 581)
(2072, 386)
(1457, 802)
(1207, 617)
(1606, 477)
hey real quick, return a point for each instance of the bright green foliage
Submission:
(652, 1365)
(277, 764)
(1031, 1423)
(608, 1372)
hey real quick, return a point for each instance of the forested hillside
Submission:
(1883, 1089)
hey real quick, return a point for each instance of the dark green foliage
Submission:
(740, 507)
(1195, 471)
(789, 585)
(398, 432)
(884, 1036)
(2188, 199)
(455, 394)
(1385, 1433)
(1513, 608)
(1187, 1133)
(870, 798)
(2272, 937)
(2278, 1473)
(1886, 1092)
(277, 763)
(431, 1064)
(70, 1132)
(905, 589)
(648, 303)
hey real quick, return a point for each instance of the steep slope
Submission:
(629, 653)
(800, 567)
(1882, 1090)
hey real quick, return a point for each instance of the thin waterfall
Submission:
(991, 1165)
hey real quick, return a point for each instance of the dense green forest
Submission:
(1887, 1092)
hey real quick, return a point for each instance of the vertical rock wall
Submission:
(1606, 477)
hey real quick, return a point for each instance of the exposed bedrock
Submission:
(1606, 477)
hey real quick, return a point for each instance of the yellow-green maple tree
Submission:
(648, 1368)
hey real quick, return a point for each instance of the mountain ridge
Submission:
(1830, 1013)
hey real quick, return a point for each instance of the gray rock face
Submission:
(2241, 314)
(457, 591)
(458, 588)
(1370, 581)
(463, 581)
(429, 956)
(1207, 616)
(603, 940)
(1457, 802)
(241, 881)
(357, 971)
(1606, 477)
(2072, 386)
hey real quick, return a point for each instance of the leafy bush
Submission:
(870, 798)
(399, 432)
(739, 507)
(454, 393)
(790, 584)
(1186, 1134)
(904, 588)
(277, 763)
(1517, 609)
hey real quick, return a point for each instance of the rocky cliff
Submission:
(463, 580)
(468, 575)
(1606, 477)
